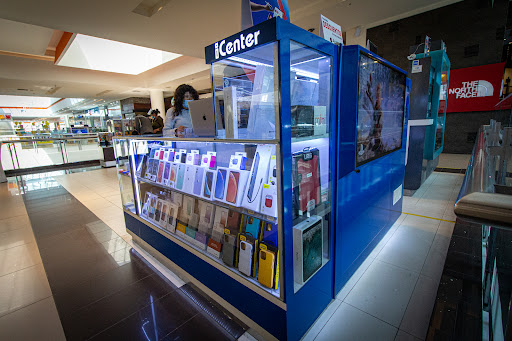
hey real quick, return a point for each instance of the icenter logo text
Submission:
(223, 49)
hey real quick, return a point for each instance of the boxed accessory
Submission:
(214, 247)
(198, 181)
(164, 216)
(161, 165)
(272, 171)
(305, 181)
(145, 206)
(176, 198)
(180, 177)
(170, 155)
(141, 166)
(258, 177)
(161, 154)
(167, 174)
(180, 156)
(202, 240)
(307, 248)
(221, 218)
(208, 184)
(158, 211)
(187, 210)
(181, 227)
(269, 200)
(188, 182)
(233, 223)
(238, 161)
(237, 181)
(152, 207)
(208, 160)
(173, 175)
(172, 217)
(193, 157)
(206, 214)
(230, 112)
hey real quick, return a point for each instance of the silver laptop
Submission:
(203, 117)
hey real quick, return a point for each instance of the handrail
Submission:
(50, 139)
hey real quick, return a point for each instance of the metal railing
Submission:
(25, 152)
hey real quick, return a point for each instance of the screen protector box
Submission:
(258, 177)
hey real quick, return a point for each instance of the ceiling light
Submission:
(93, 53)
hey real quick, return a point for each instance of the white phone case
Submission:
(245, 258)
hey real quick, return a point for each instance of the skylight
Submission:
(99, 54)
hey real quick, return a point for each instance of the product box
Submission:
(193, 158)
(307, 248)
(209, 180)
(152, 207)
(166, 155)
(161, 154)
(180, 177)
(198, 181)
(152, 169)
(164, 217)
(188, 209)
(173, 174)
(180, 156)
(190, 232)
(158, 211)
(234, 185)
(320, 122)
(206, 217)
(258, 177)
(202, 239)
(176, 198)
(230, 112)
(306, 187)
(160, 174)
(217, 234)
(172, 217)
(214, 248)
(181, 227)
(188, 182)
(272, 171)
(141, 166)
(208, 160)
(269, 200)
(170, 155)
(145, 205)
(238, 161)
(167, 174)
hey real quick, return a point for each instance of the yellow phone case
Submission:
(266, 268)
(181, 227)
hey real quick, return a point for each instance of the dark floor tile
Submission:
(95, 318)
(466, 245)
(199, 328)
(87, 292)
(154, 321)
(467, 231)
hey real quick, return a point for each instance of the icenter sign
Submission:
(223, 49)
(475, 88)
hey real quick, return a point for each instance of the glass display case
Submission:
(248, 212)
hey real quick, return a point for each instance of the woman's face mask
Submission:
(185, 103)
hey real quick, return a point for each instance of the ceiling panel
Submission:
(24, 38)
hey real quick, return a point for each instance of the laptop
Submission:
(203, 117)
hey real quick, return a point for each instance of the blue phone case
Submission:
(181, 176)
(220, 184)
(252, 226)
(208, 183)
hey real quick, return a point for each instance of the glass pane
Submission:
(245, 95)
(442, 107)
(78, 150)
(121, 149)
(218, 198)
(310, 75)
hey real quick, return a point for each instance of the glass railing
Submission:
(25, 152)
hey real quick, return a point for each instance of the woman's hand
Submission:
(180, 131)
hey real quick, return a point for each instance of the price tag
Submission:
(242, 238)
(263, 246)
(226, 231)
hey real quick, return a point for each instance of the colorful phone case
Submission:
(167, 170)
(266, 268)
(270, 233)
(245, 258)
(220, 184)
(232, 191)
(208, 182)
(151, 211)
(198, 180)
(252, 226)
(158, 211)
(163, 217)
(172, 176)
(181, 176)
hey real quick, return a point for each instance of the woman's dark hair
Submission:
(179, 95)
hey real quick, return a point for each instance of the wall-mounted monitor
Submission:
(380, 109)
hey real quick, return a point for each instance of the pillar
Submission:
(157, 101)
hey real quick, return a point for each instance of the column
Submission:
(157, 101)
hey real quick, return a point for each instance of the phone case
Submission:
(266, 268)
(163, 216)
(220, 184)
(198, 180)
(233, 222)
(252, 226)
(306, 181)
(228, 250)
(145, 207)
(232, 191)
(245, 258)
(167, 171)
(180, 177)
(270, 233)
(173, 215)
(152, 206)
(158, 211)
(172, 176)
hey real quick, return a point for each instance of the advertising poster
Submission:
(475, 88)
(257, 11)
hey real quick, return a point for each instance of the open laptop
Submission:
(203, 117)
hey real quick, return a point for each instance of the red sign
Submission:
(475, 88)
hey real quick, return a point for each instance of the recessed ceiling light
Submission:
(93, 53)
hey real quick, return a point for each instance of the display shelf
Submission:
(215, 202)
(235, 273)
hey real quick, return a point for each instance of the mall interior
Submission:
(256, 170)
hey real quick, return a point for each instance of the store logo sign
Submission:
(473, 89)
(223, 48)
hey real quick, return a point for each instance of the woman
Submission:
(177, 120)
(157, 121)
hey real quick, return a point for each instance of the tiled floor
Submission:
(390, 297)
(454, 161)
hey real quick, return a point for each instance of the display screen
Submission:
(380, 109)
